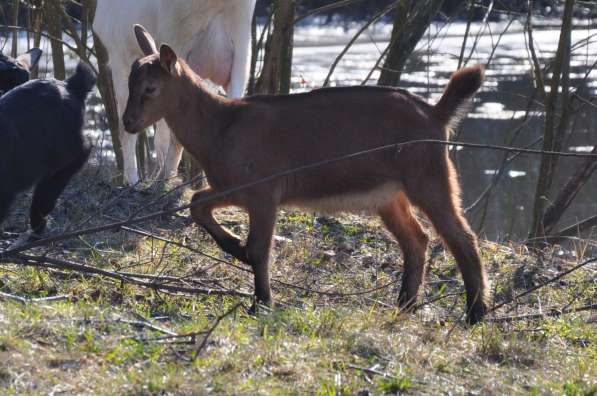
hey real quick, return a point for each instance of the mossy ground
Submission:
(311, 343)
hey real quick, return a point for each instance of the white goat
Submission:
(213, 36)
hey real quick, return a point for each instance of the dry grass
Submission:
(312, 343)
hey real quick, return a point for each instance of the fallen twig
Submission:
(147, 324)
(182, 245)
(551, 313)
(543, 284)
(438, 298)
(215, 325)
(370, 371)
(49, 262)
(275, 280)
(26, 300)
(166, 338)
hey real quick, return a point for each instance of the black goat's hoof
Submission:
(25, 238)
(476, 313)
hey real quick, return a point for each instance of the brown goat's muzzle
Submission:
(132, 125)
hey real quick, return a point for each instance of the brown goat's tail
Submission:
(463, 84)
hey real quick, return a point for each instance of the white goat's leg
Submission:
(239, 72)
(162, 141)
(129, 156)
(241, 39)
(168, 151)
(128, 141)
(174, 156)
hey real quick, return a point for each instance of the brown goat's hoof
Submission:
(476, 313)
(260, 307)
(406, 303)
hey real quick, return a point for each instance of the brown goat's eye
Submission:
(150, 90)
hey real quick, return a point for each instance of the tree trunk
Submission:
(85, 23)
(277, 63)
(53, 12)
(552, 138)
(254, 56)
(105, 85)
(15, 31)
(411, 21)
(554, 212)
(71, 30)
(37, 27)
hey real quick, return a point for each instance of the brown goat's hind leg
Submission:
(202, 214)
(462, 242)
(441, 205)
(400, 221)
(259, 243)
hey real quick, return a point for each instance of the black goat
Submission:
(14, 72)
(41, 141)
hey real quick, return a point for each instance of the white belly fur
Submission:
(212, 53)
(368, 201)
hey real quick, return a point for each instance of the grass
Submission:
(311, 343)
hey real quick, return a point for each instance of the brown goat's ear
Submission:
(167, 58)
(145, 41)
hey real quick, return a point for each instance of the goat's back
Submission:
(276, 134)
(339, 121)
(176, 22)
(41, 129)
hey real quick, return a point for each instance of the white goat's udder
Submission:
(367, 201)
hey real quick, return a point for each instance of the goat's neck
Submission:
(195, 116)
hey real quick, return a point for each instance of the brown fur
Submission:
(241, 141)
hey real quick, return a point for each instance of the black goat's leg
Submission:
(48, 190)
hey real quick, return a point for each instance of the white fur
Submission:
(367, 201)
(212, 35)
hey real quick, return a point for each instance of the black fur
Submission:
(12, 73)
(41, 141)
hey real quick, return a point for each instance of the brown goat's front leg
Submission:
(202, 214)
(259, 242)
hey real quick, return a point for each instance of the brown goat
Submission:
(241, 141)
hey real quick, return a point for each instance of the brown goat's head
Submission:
(14, 72)
(148, 83)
